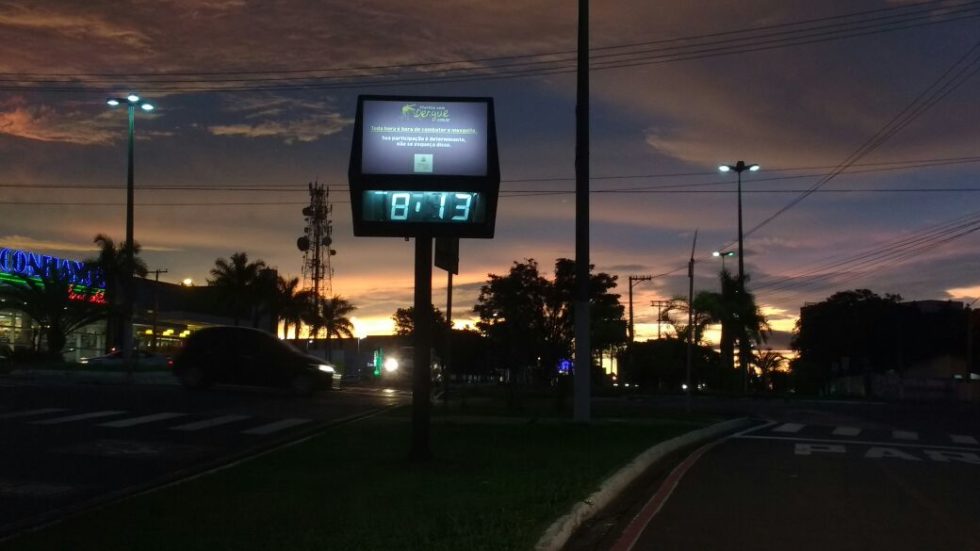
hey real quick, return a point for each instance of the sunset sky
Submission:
(256, 99)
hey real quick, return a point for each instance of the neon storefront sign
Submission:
(87, 283)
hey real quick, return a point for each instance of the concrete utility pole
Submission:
(156, 304)
(690, 320)
(633, 280)
(660, 304)
(583, 348)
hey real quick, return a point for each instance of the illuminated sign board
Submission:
(89, 284)
(424, 166)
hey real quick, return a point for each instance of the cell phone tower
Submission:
(316, 246)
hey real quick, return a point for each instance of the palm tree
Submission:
(741, 320)
(768, 362)
(290, 304)
(333, 318)
(112, 267)
(237, 280)
(51, 301)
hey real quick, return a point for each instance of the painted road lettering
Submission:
(883, 452)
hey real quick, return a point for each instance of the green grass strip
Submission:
(495, 484)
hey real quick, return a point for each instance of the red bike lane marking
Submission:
(639, 523)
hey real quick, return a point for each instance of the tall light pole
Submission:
(739, 168)
(723, 255)
(132, 101)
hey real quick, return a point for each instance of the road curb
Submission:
(557, 535)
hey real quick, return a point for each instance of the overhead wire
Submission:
(612, 57)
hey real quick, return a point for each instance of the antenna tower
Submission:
(315, 244)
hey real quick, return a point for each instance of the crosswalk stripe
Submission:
(788, 427)
(208, 423)
(847, 431)
(79, 417)
(276, 426)
(905, 435)
(30, 413)
(963, 439)
(132, 422)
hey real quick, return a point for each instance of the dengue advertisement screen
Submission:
(438, 138)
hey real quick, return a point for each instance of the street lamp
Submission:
(131, 101)
(721, 254)
(739, 168)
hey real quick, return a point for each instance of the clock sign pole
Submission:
(424, 167)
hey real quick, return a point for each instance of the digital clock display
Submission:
(449, 207)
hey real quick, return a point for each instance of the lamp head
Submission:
(112, 102)
(147, 107)
(724, 168)
(133, 98)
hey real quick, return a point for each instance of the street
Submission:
(814, 476)
(72, 445)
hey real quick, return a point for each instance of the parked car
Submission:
(114, 359)
(245, 356)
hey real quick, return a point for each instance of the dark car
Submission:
(244, 356)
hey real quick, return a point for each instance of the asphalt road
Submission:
(67, 446)
(822, 476)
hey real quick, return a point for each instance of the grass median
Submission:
(496, 482)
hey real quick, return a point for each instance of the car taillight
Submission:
(170, 362)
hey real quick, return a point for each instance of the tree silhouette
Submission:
(290, 304)
(111, 266)
(237, 280)
(332, 317)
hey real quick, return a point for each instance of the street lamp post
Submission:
(739, 168)
(131, 101)
(722, 255)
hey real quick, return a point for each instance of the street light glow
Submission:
(754, 168)
(724, 168)
(147, 107)
(113, 102)
(133, 98)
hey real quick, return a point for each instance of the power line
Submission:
(864, 261)
(876, 167)
(606, 61)
(961, 70)
(926, 8)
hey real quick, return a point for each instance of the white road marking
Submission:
(788, 427)
(79, 417)
(808, 449)
(905, 435)
(24, 488)
(944, 456)
(963, 439)
(856, 442)
(30, 413)
(132, 422)
(276, 426)
(208, 423)
(878, 453)
(846, 431)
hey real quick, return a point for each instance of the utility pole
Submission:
(156, 303)
(690, 319)
(660, 304)
(633, 280)
(583, 348)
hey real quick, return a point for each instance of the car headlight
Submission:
(391, 365)
(325, 368)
